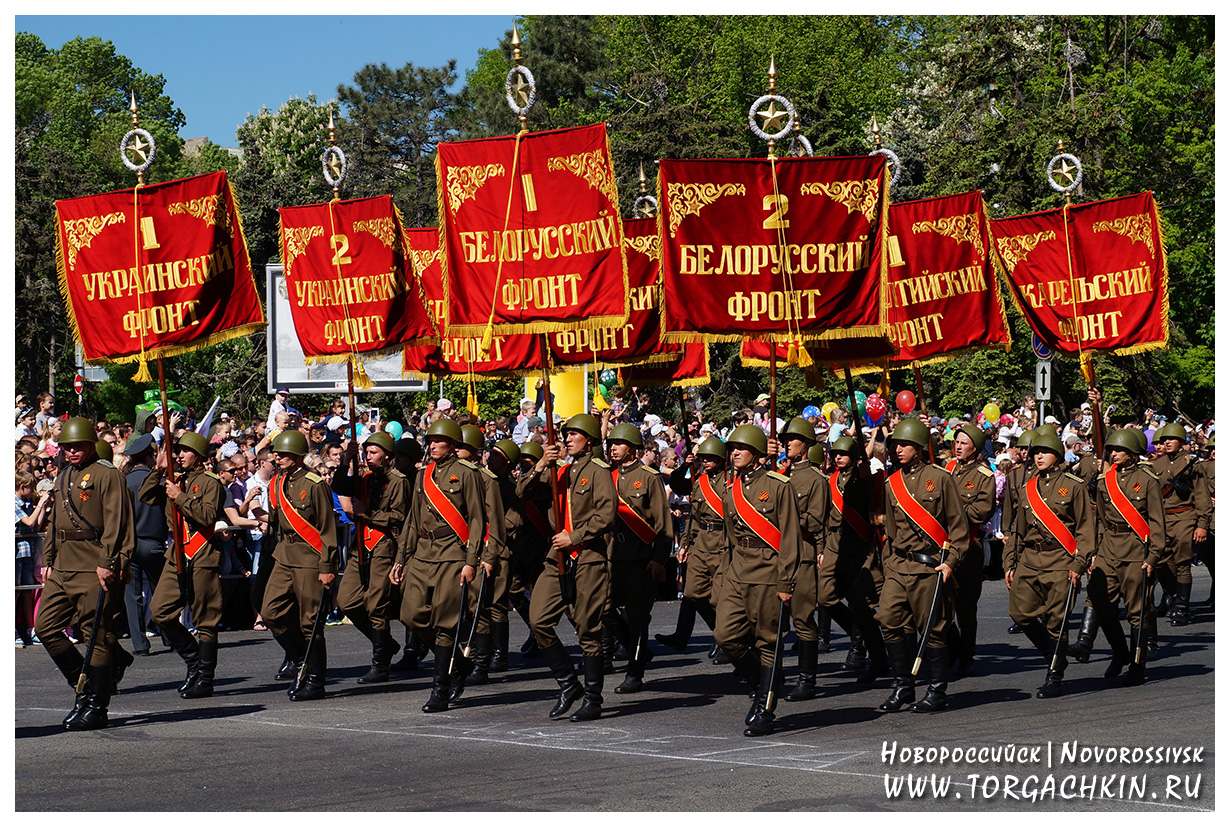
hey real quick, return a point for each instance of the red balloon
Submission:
(876, 407)
(906, 401)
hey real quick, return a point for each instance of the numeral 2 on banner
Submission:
(776, 221)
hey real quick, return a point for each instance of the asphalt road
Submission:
(676, 746)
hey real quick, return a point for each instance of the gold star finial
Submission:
(521, 88)
(772, 115)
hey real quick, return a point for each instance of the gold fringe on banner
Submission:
(885, 387)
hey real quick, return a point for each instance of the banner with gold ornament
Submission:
(350, 285)
(1089, 276)
(530, 233)
(638, 341)
(689, 370)
(154, 271)
(782, 249)
(515, 354)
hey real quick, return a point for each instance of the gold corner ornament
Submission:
(855, 196)
(295, 240)
(381, 228)
(463, 183)
(592, 167)
(686, 200)
(205, 209)
(1137, 228)
(1015, 249)
(648, 245)
(963, 229)
(81, 231)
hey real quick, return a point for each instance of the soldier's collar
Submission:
(626, 464)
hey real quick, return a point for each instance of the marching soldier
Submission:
(304, 563)
(1131, 542)
(380, 498)
(976, 486)
(927, 533)
(1185, 498)
(575, 576)
(496, 540)
(1020, 473)
(1207, 549)
(1053, 544)
(530, 544)
(89, 540)
(407, 452)
(445, 547)
(193, 503)
(504, 458)
(812, 503)
(849, 551)
(763, 535)
(643, 541)
(703, 543)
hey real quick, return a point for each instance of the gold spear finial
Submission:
(642, 179)
(516, 45)
(522, 85)
(875, 131)
(772, 73)
(132, 107)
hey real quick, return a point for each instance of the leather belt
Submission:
(1116, 527)
(62, 535)
(629, 540)
(1181, 509)
(437, 534)
(751, 542)
(919, 557)
(1045, 545)
(711, 526)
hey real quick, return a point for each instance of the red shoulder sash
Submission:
(444, 506)
(1049, 518)
(630, 518)
(756, 521)
(917, 514)
(852, 516)
(1124, 506)
(301, 526)
(710, 496)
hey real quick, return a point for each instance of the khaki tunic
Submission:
(1185, 511)
(1117, 574)
(845, 570)
(292, 595)
(641, 487)
(72, 553)
(201, 502)
(497, 602)
(528, 543)
(755, 573)
(705, 541)
(811, 491)
(976, 486)
(387, 494)
(909, 585)
(1014, 489)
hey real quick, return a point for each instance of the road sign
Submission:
(1043, 379)
(78, 384)
(1041, 350)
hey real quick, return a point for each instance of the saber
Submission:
(482, 585)
(935, 607)
(770, 701)
(1063, 627)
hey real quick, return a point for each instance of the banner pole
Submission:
(922, 406)
(550, 426)
(177, 518)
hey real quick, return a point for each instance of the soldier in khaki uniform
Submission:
(848, 555)
(199, 497)
(90, 537)
(1014, 487)
(765, 542)
(304, 562)
(976, 486)
(471, 450)
(531, 541)
(927, 533)
(1185, 498)
(444, 544)
(504, 458)
(585, 521)
(407, 452)
(643, 540)
(1207, 549)
(380, 498)
(1131, 543)
(1053, 545)
(812, 503)
(702, 547)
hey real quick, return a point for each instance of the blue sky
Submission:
(220, 68)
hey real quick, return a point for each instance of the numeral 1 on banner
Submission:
(149, 239)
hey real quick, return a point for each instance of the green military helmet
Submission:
(104, 450)
(1142, 441)
(844, 445)
(531, 449)
(1208, 444)
(913, 431)
(447, 429)
(195, 443)
(78, 429)
(382, 441)
(1046, 442)
(625, 432)
(815, 454)
(510, 450)
(1172, 431)
(472, 438)
(1046, 429)
(713, 448)
(1124, 439)
(976, 435)
(585, 424)
(290, 442)
(749, 436)
(799, 428)
(1026, 439)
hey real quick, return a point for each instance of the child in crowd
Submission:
(28, 516)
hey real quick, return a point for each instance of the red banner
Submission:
(351, 289)
(155, 271)
(638, 340)
(531, 233)
(689, 370)
(1090, 276)
(779, 250)
(515, 354)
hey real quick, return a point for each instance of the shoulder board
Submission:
(657, 471)
(559, 463)
(490, 473)
(1148, 469)
(1101, 477)
(104, 463)
(467, 464)
(393, 472)
(778, 476)
(985, 471)
(312, 476)
(1073, 477)
(600, 463)
(937, 467)
(212, 474)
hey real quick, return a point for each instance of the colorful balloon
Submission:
(876, 408)
(906, 401)
(827, 411)
(991, 411)
(860, 401)
(394, 430)
(809, 411)
(608, 377)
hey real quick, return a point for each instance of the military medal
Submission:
(763, 496)
(637, 484)
(1063, 492)
(930, 485)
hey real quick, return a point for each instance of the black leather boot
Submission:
(440, 683)
(312, 688)
(824, 622)
(936, 699)
(804, 688)
(120, 661)
(480, 656)
(608, 650)
(499, 646)
(186, 646)
(1082, 647)
(1119, 652)
(899, 657)
(591, 707)
(203, 686)
(69, 662)
(1039, 637)
(762, 717)
(383, 650)
(294, 646)
(570, 691)
(1179, 615)
(1136, 671)
(684, 624)
(93, 714)
(632, 682)
(287, 671)
(877, 657)
(1151, 653)
(1053, 686)
(462, 670)
(856, 658)
(412, 653)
